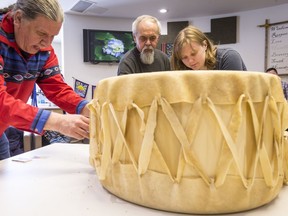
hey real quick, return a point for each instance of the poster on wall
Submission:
(81, 88)
(278, 48)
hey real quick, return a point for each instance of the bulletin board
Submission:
(276, 47)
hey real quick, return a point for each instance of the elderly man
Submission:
(144, 57)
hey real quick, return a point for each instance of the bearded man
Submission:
(144, 57)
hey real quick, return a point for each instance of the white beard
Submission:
(147, 57)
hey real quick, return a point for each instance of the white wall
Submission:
(57, 45)
(250, 44)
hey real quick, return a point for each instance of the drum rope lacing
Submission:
(229, 152)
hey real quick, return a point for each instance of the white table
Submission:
(60, 181)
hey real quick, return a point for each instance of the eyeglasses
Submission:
(152, 38)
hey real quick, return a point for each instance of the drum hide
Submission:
(201, 142)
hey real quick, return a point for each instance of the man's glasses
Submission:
(152, 38)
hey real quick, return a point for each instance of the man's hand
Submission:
(72, 125)
(85, 111)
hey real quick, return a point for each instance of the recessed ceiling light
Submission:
(163, 10)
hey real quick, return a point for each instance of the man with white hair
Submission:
(144, 57)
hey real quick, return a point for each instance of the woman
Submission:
(193, 50)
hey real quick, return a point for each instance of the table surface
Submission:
(58, 180)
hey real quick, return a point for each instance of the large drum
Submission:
(190, 141)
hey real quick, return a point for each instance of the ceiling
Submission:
(177, 9)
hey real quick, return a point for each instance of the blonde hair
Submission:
(145, 18)
(33, 8)
(186, 36)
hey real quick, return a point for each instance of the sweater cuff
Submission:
(42, 117)
(81, 105)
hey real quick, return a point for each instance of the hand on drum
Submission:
(76, 126)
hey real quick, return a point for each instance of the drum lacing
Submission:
(190, 158)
